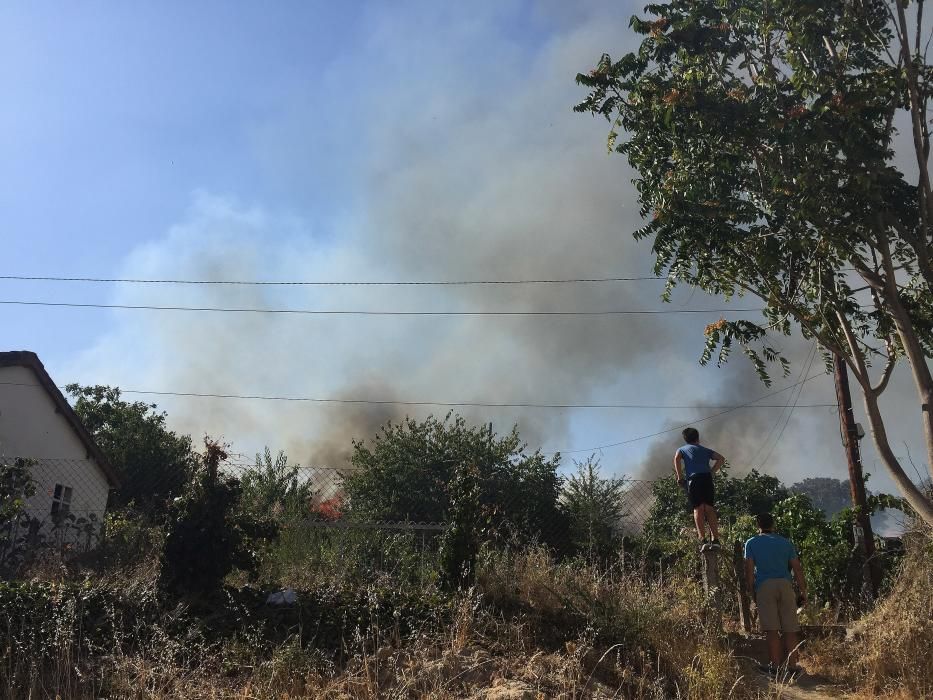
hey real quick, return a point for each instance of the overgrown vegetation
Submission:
(531, 626)
(891, 652)
(208, 533)
(274, 488)
(231, 591)
(595, 508)
(18, 529)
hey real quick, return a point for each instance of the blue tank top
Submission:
(696, 459)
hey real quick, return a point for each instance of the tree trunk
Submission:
(921, 371)
(920, 503)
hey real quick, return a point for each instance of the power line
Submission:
(442, 404)
(703, 419)
(804, 370)
(789, 413)
(597, 448)
(354, 312)
(333, 283)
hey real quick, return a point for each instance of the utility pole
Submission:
(850, 440)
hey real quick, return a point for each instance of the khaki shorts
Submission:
(777, 606)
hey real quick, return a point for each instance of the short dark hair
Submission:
(765, 521)
(691, 435)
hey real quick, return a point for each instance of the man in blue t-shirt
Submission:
(691, 464)
(769, 561)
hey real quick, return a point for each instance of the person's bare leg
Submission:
(775, 650)
(713, 520)
(791, 640)
(700, 521)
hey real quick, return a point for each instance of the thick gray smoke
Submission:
(468, 177)
(751, 438)
(470, 165)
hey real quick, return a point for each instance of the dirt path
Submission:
(753, 651)
(802, 688)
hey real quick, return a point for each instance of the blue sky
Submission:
(349, 141)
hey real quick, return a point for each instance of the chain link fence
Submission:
(64, 506)
(56, 509)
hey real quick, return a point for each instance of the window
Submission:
(61, 500)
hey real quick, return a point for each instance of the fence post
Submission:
(710, 564)
(745, 610)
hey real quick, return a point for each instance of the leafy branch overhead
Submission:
(762, 137)
(763, 145)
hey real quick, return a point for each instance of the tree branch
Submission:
(916, 114)
(854, 358)
(889, 366)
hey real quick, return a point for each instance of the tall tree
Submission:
(154, 461)
(761, 134)
(825, 493)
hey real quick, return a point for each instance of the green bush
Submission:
(405, 474)
(208, 534)
(304, 557)
(274, 488)
(595, 508)
(461, 540)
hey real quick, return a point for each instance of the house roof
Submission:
(24, 358)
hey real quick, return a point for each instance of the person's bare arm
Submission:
(719, 460)
(750, 574)
(798, 575)
(678, 465)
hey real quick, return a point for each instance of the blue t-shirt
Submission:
(696, 459)
(771, 554)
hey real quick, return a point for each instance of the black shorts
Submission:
(700, 490)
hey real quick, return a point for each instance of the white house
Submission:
(36, 422)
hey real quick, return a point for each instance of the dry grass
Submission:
(531, 628)
(890, 652)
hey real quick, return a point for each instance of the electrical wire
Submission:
(453, 404)
(596, 448)
(334, 283)
(703, 419)
(790, 413)
(442, 404)
(351, 312)
(804, 370)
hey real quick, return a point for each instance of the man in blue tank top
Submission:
(769, 562)
(692, 466)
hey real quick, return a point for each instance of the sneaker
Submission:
(715, 544)
(704, 545)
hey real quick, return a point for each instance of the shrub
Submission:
(594, 508)
(208, 535)
(273, 486)
(891, 650)
(406, 472)
(460, 543)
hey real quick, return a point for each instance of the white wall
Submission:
(31, 427)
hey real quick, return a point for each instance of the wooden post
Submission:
(856, 479)
(745, 608)
(710, 564)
